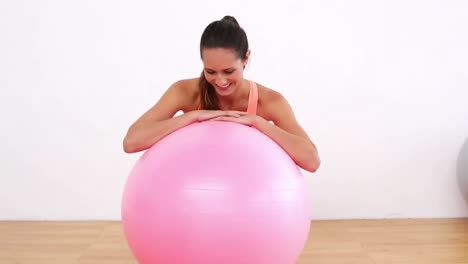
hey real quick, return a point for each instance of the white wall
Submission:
(380, 86)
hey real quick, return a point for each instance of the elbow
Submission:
(312, 164)
(136, 141)
(130, 145)
(313, 167)
(128, 148)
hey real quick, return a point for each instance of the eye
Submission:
(228, 71)
(209, 72)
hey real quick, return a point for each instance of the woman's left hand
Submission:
(244, 119)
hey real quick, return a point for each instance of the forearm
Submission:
(301, 150)
(141, 136)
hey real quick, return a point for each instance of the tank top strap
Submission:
(253, 99)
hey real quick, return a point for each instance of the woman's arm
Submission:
(285, 131)
(144, 133)
(159, 121)
(299, 147)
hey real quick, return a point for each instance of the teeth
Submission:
(225, 86)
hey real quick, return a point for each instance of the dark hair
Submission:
(224, 33)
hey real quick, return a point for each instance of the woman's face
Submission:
(223, 69)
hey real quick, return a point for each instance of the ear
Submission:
(246, 60)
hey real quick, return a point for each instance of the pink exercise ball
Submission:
(216, 192)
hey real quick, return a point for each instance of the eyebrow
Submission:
(228, 69)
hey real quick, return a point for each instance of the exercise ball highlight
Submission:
(216, 192)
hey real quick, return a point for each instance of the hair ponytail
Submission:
(230, 19)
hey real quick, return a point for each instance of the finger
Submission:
(231, 115)
(225, 118)
(221, 114)
(231, 119)
(219, 118)
(233, 112)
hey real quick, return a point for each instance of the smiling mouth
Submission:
(224, 86)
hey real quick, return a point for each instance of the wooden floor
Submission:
(423, 241)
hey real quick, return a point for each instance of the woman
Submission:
(221, 93)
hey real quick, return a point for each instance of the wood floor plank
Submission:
(415, 241)
(110, 247)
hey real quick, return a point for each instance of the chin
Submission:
(224, 91)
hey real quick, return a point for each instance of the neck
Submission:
(237, 99)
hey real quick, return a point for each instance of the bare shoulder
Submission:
(187, 92)
(270, 101)
(268, 95)
(186, 86)
(277, 109)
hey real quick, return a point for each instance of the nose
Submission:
(221, 81)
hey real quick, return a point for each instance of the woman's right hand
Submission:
(204, 115)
